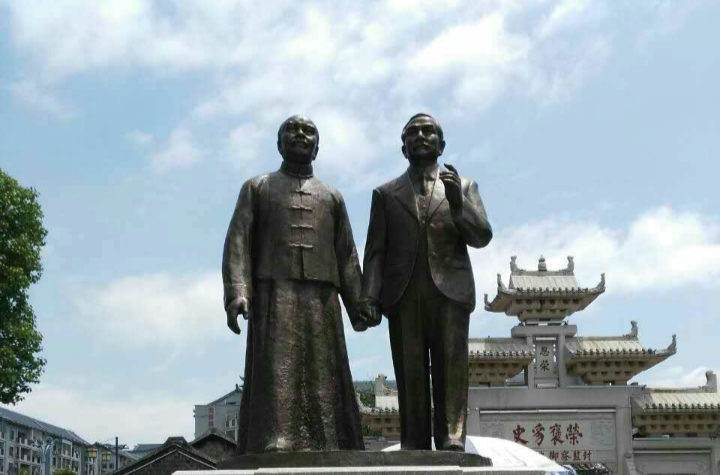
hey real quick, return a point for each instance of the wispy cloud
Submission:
(97, 412)
(180, 151)
(669, 16)
(140, 139)
(172, 310)
(367, 69)
(677, 377)
(41, 100)
(661, 249)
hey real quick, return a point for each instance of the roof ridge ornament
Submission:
(542, 265)
(513, 264)
(712, 383)
(673, 346)
(601, 285)
(633, 330)
(571, 265)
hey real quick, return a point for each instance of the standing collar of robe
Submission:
(299, 170)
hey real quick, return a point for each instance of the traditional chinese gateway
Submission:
(568, 397)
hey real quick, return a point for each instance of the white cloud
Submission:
(245, 142)
(180, 151)
(96, 413)
(367, 68)
(140, 139)
(669, 17)
(156, 309)
(677, 377)
(569, 13)
(661, 249)
(286, 55)
(39, 98)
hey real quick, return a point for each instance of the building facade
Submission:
(569, 397)
(105, 458)
(222, 414)
(28, 445)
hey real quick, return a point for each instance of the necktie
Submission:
(427, 182)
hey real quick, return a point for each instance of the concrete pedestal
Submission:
(347, 458)
(484, 455)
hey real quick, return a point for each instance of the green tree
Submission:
(64, 471)
(22, 237)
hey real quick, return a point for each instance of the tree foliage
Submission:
(22, 237)
(64, 471)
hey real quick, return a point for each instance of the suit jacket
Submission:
(394, 233)
(280, 230)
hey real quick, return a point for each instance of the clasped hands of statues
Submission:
(370, 311)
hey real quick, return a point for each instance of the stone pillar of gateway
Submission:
(567, 396)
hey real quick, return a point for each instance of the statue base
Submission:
(348, 458)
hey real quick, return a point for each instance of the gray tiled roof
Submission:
(678, 400)
(546, 283)
(146, 447)
(226, 396)
(499, 348)
(211, 431)
(32, 423)
(604, 346)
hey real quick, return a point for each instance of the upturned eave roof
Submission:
(615, 348)
(503, 349)
(676, 401)
(545, 285)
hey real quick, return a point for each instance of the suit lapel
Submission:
(405, 194)
(438, 194)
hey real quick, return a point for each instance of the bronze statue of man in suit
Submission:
(289, 252)
(417, 273)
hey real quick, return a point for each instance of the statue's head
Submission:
(422, 138)
(298, 139)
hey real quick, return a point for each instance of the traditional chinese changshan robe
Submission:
(290, 250)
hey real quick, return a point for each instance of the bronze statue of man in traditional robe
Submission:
(289, 252)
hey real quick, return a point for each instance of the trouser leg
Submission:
(411, 363)
(449, 356)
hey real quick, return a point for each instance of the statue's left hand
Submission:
(237, 307)
(453, 186)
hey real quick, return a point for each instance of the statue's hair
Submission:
(438, 127)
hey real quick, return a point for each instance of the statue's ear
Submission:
(279, 147)
(404, 151)
(441, 146)
(317, 149)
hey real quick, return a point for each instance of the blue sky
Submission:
(591, 127)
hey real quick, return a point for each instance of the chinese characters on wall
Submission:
(544, 359)
(567, 438)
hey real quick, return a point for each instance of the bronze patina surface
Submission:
(417, 273)
(289, 253)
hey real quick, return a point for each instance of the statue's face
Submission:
(422, 140)
(298, 141)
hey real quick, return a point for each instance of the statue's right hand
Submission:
(371, 314)
(239, 306)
